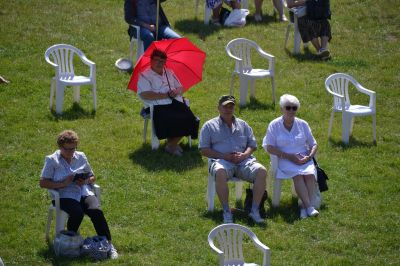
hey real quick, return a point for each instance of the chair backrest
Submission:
(61, 56)
(230, 241)
(338, 85)
(241, 48)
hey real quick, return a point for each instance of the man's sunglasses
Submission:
(294, 108)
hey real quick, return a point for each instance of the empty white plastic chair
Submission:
(211, 191)
(338, 85)
(60, 215)
(297, 38)
(61, 57)
(240, 50)
(277, 187)
(230, 239)
(208, 11)
(155, 142)
(138, 42)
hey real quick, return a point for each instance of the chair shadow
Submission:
(196, 26)
(288, 211)
(352, 143)
(156, 160)
(257, 105)
(73, 113)
(50, 257)
(306, 56)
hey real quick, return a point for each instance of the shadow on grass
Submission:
(352, 143)
(306, 56)
(50, 257)
(257, 105)
(156, 160)
(73, 113)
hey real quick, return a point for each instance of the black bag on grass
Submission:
(321, 177)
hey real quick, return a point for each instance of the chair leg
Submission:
(77, 91)
(243, 90)
(207, 14)
(190, 141)
(211, 193)
(52, 90)
(132, 49)
(49, 219)
(59, 98)
(374, 127)
(94, 95)
(60, 220)
(346, 125)
(238, 190)
(297, 38)
(140, 49)
(276, 195)
(330, 123)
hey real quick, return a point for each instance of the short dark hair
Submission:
(158, 53)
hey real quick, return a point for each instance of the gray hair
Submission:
(289, 99)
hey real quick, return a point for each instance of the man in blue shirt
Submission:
(229, 143)
(143, 13)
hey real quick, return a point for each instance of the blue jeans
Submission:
(164, 32)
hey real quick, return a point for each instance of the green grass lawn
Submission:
(155, 203)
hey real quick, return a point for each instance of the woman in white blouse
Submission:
(290, 138)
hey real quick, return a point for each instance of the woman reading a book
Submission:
(68, 171)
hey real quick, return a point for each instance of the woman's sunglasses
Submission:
(294, 108)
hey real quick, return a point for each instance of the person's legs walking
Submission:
(278, 5)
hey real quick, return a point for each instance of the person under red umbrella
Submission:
(172, 118)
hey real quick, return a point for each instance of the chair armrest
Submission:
(370, 93)
(263, 248)
(137, 28)
(56, 196)
(214, 248)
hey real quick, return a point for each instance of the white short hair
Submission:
(289, 99)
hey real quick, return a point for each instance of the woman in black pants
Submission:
(68, 171)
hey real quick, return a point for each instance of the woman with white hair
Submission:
(290, 138)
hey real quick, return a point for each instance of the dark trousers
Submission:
(88, 205)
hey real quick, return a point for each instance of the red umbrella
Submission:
(183, 58)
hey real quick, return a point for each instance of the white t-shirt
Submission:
(152, 81)
(298, 140)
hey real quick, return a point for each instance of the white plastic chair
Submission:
(208, 11)
(240, 50)
(277, 187)
(138, 42)
(155, 142)
(61, 57)
(297, 38)
(230, 238)
(211, 191)
(62, 216)
(338, 85)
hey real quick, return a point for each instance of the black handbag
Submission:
(248, 201)
(321, 177)
(318, 9)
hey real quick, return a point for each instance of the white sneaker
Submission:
(113, 254)
(312, 212)
(303, 213)
(228, 218)
(256, 217)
